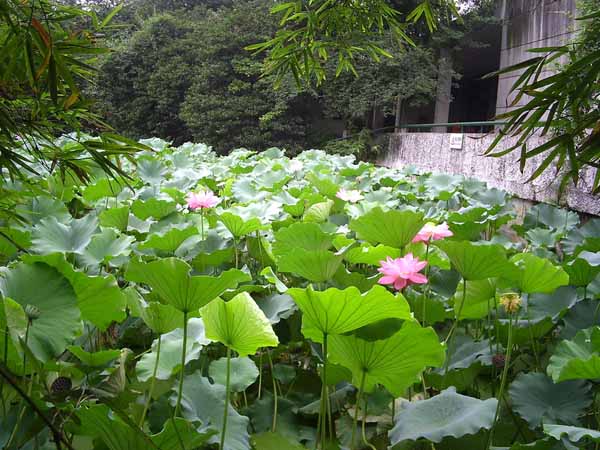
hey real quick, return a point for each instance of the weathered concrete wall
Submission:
(431, 152)
(528, 24)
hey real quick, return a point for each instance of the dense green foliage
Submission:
(258, 322)
(183, 74)
(46, 51)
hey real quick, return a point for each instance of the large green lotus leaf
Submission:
(343, 279)
(170, 240)
(95, 421)
(277, 307)
(316, 266)
(541, 444)
(12, 317)
(336, 311)
(367, 254)
(171, 280)
(42, 207)
(476, 261)
(205, 402)
(239, 324)
(115, 218)
(551, 216)
(151, 170)
(391, 228)
(106, 246)
(289, 424)
(153, 207)
(52, 236)
(102, 188)
(574, 434)
(99, 298)
(538, 275)
(319, 212)
(93, 359)
(395, 362)
(592, 258)
(578, 358)
(242, 374)
(479, 298)
(306, 236)
(580, 316)
(446, 415)
(239, 227)
(51, 293)
(464, 352)
(171, 347)
(274, 441)
(541, 306)
(535, 397)
(542, 237)
(161, 318)
(581, 272)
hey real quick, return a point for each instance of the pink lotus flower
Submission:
(351, 196)
(202, 200)
(433, 232)
(401, 272)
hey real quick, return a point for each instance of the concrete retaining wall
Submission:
(431, 152)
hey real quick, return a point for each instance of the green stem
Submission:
(235, 250)
(151, 391)
(275, 396)
(227, 394)
(357, 406)
(426, 293)
(324, 392)
(503, 380)
(364, 434)
(183, 350)
(260, 372)
(448, 340)
(29, 390)
(202, 224)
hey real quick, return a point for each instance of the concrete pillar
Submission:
(444, 90)
(528, 24)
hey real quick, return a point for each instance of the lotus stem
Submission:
(227, 394)
(503, 379)
(364, 434)
(426, 293)
(29, 390)
(357, 406)
(183, 350)
(260, 374)
(275, 396)
(152, 383)
(235, 251)
(202, 224)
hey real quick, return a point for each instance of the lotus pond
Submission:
(256, 301)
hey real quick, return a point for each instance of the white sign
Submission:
(456, 141)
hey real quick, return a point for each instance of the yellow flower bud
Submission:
(511, 302)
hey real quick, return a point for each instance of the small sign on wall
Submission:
(456, 141)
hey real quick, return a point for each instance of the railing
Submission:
(454, 127)
(450, 127)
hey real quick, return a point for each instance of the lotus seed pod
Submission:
(61, 385)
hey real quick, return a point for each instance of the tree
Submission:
(409, 76)
(143, 83)
(313, 31)
(47, 51)
(186, 76)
